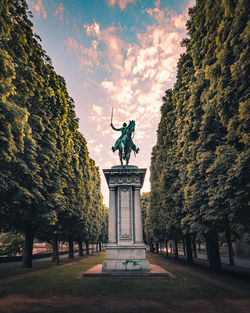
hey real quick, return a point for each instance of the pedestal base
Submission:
(156, 271)
(126, 258)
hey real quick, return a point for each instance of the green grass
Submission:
(60, 290)
(12, 271)
(62, 280)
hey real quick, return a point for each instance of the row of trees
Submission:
(48, 183)
(200, 163)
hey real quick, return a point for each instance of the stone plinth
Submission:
(125, 249)
(156, 271)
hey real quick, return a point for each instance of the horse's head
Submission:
(132, 126)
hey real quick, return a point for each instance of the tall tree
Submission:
(209, 152)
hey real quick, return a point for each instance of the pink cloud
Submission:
(141, 75)
(156, 12)
(97, 110)
(115, 48)
(180, 20)
(137, 75)
(88, 58)
(108, 85)
(121, 3)
(96, 148)
(60, 11)
(92, 29)
(71, 44)
(95, 44)
(39, 9)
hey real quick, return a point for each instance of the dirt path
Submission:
(111, 304)
(233, 284)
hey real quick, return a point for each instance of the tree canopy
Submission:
(48, 182)
(200, 163)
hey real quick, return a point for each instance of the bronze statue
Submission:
(125, 143)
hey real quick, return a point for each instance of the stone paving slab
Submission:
(156, 271)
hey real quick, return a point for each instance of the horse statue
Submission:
(125, 143)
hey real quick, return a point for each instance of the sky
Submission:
(119, 54)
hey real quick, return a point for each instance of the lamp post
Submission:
(55, 253)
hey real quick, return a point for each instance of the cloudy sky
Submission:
(114, 53)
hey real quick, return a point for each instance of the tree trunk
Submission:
(80, 250)
(87, 248)
(92, 248)
(96, 247)
(157, 247)
(213, 251)
(194, 246)
(184, 247)
(176, 249)
(208, 256)
(55, 253)
(189, 249)
(28, 248)
(230, 248)
(71, 248)
(100, 246)
(166, 248)
(171, 247)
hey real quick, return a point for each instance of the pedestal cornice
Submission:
(125, 176)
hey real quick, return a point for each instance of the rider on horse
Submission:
(123, 130)
(118, 141)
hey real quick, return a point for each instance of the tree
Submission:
(199, 164)
(45, 166)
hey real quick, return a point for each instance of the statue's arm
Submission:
(118, 129)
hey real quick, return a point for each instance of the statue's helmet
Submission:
(124, 124)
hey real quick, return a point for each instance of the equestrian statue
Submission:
(125, 143)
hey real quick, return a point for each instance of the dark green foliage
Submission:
(11, 244)
(200, 163)
(48, 183)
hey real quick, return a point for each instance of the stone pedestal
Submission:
(125, 250)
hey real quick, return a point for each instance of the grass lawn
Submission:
(61, 290)
(12, 271)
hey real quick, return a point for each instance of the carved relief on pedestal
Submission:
(125, 218)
